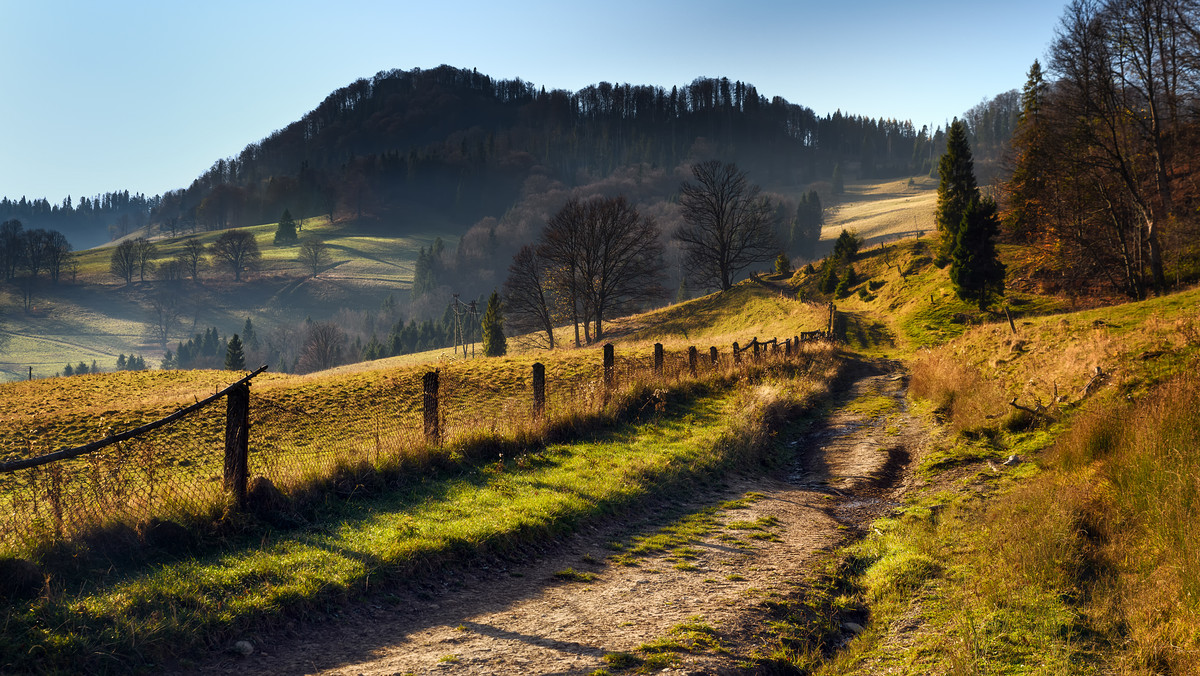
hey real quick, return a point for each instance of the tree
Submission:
(838, 181)
(285, 233)
(783, 266)
(727, 224)
(164, 313)
(322, 347)
(956, 188)
(58, 254)
(238, 251)
(144, 251)
(526, 297)
(314, 255)
(975, 268)
(235, 358)
(249, 335)
(193, 257)
(846, 247)
(494, 344)
(11, 233)
(123, 261)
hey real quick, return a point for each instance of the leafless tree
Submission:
(58, 254)
(322, 349)
(562, 246)
(527, 300)
(123, 261)
(314, 255)
(144, 251)
(727, 225)
(165, 310)
(236, 250)
(193, 257)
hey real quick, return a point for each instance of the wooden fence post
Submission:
(755, 344)
(658, 359)
(692, 360)
(539, 390)
(433, 432)
(787, 347)
(610, 361)
(237, 443)
(737, 357)
(712, 354)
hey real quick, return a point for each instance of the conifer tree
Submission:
(494, 343)
(249, 337)
(235, 359)
(783, 266)
(285, 233)
(839, 182)
(975, 268)
(956, 189)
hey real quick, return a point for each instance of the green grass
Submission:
(146, 615)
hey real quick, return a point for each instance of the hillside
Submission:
(95, 317)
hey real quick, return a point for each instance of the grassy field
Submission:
(883, 211)
(393, 506)
(96, 317)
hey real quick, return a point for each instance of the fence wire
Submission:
(176, 472)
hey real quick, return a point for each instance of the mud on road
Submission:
(522, 618)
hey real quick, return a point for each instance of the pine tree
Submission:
(68, 370)
(285, 233)
(839, 183)
(684, 292)
(249, 337)
(956, 189)
(975, 268)
(235, 359)
(783, 266)
(829, 280)
(494, 344)
(121, 362)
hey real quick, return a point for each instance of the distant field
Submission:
(883, 211)
(97, 317)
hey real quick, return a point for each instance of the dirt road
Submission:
(524, 619)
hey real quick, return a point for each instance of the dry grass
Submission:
(883, 211)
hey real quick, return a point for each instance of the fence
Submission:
(196, 463)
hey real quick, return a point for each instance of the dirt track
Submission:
(521, 619)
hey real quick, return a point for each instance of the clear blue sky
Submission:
(144, 96)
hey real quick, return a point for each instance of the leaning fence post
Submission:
(737, 357)
(658, 359)
(539, 389)
(237, 442)
(712, 354)
(433, 432)
(609, 366)
(754, 344)
(692, 360)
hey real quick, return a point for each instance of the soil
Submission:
(500, 617)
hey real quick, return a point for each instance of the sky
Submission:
(145, 96)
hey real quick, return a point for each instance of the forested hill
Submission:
(455, 145)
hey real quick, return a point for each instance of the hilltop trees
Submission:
(192, 258)
(727, 224)
(236, 250)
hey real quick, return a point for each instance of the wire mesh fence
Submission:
(179, 471)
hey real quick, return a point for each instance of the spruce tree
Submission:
(235, 359)
(249, 337)
(494, 344)
(783, 266)
(839, 182)
(975, 268)
(956, 189)
(285, 233)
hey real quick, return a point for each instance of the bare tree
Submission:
(58, 254)
(144, 251)
(526, 297)
(322, 349)
(562, 246)
(236, 250)
(192, 257)
(314, 255)
(123, 261)
(622, 265)
(165, 310)
(728, 224)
